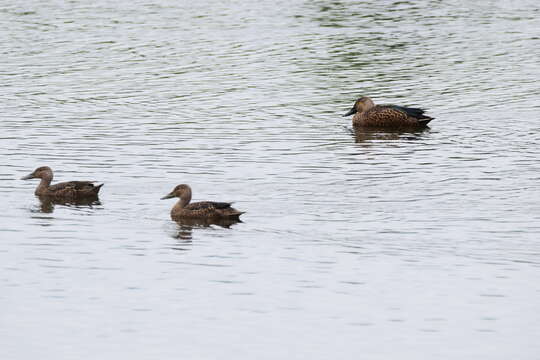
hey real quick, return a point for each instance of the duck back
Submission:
(392, 116)
(74, 189)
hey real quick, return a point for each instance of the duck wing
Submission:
(417, 113)
(74, 189)
(75, 185)
(203, 205)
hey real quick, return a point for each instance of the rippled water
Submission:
(378, 245)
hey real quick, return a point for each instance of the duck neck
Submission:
(186, 198)
(182, 202)
(44, 184)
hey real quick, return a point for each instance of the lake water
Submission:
(422, 245)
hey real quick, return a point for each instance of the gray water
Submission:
(421, 245)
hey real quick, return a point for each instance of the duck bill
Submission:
(168, 196)
(352, 111)
(29, 176)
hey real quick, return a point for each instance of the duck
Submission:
(209, 210)
(70, 190)
(367, 114)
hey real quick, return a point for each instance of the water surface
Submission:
(381, 245)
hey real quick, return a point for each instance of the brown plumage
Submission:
(70, 190)
(199, 210)
(367, 114)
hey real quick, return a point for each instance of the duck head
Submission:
(361, 105)
(180, 191)
(43, 172)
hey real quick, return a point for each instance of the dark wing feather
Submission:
(417, 113)
(74, 190)
(207, 205)
(77, 185)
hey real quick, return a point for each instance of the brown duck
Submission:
(199, 210)
(72, 190)
(367, 114)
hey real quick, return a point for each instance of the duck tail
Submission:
(97, 188)
(234, 214)
(425, 120)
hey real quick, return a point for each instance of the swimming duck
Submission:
(199, 210)
(367, 114)
(66, 190)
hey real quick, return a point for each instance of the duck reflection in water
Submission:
(190, 223)
(47, 203)
(184, 231)
(183, 234)
(367, 134)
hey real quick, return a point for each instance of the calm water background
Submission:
(381, 246)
